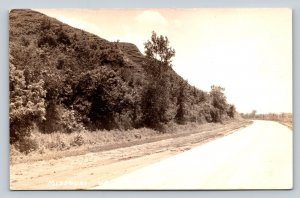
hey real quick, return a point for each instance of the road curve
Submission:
(257, 157)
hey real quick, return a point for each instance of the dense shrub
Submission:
(63, 38)
(219, 103)
(26, 145)
(47, 39)
(45, 24)
(100, 95)
(27, 104)
(69, 121)
(181, 102)
(231, 111)
(77, 141)
(25, 42)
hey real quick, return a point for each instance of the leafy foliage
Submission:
(218, 102)
(64, 79)
(99, 95)
(27, 104)
(231, 111)
(181, 111)
(156, 95)
(158, 48)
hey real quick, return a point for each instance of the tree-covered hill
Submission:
(65, 79)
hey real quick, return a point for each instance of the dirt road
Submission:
(256, 157)
(95, 168)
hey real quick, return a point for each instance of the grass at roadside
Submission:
(288, 123)
(58, 145)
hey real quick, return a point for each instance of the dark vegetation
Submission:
(65, 79)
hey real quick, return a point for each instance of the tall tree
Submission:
(253, 113)
(159, 49)
(219, 102)
(181, 111)
(156, 95)
(231, 111)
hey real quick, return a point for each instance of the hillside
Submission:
(65, 79)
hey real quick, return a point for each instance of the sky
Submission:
(246, 51)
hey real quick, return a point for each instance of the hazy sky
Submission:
(246, 51)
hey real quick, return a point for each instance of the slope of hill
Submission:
(69, 80)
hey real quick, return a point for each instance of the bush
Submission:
(68, 121)
(111, 55)
(27, 104)
(101, 95)
(54, 141)
(46, 38)
(25, 42)
(45, 24)
(63, 38)
(60, 118)
(231, 111)
(181, 100)
(77, 141)
(27, 145)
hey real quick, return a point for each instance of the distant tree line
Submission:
(268, 116)
(64, 79)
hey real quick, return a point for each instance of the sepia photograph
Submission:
(150, 99)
